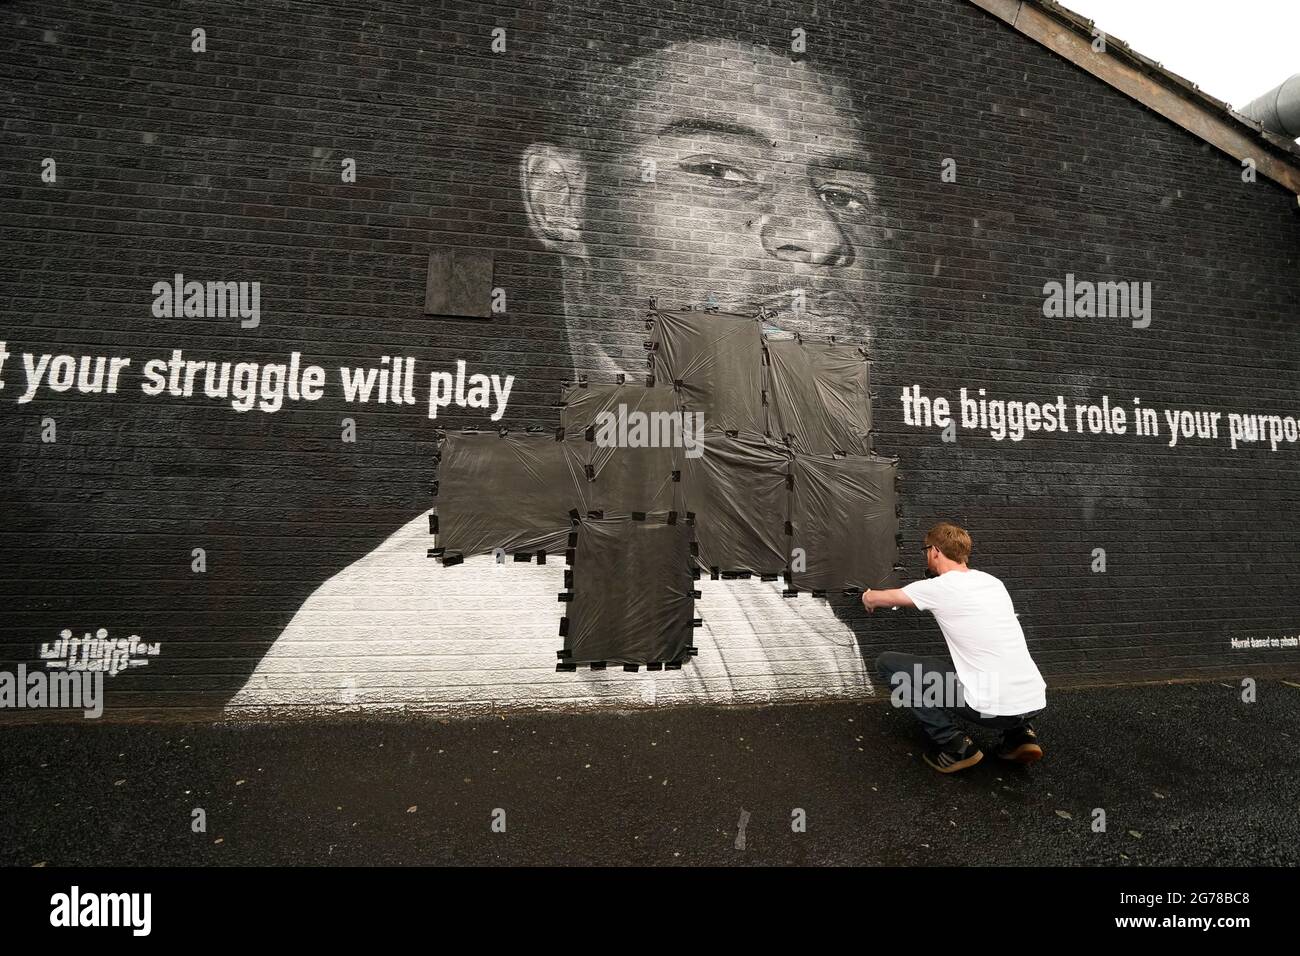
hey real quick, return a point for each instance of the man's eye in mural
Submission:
(717, 172)
(844, 198)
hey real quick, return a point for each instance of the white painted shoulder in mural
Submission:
(397, 630)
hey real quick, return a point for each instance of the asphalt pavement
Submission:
(1186, 774)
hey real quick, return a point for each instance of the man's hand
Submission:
(890, 597)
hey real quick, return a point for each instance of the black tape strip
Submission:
(631, 668)
(566, 668)
(714, 574)
(541, 557)
(568, 556)
(677, 476)
(768, 577)
(693, 651)
(695, 574)
(565, 597)
(590, 471)
(521, 557)
(452, 559)
(655, 666)
(690, 517)
(696, 595)
(568, 579)
(573, 539)
(596, 515)
(789, 528)
(590, 433)
(638, 516)
(694, 548)
(433, 523)
(598, 665)
(820, 593)
(789, 482)
(790, 592)
(697, 622)
(566, 652)
(564, 630)
(436, 552)
(672, 517)
(672, 665)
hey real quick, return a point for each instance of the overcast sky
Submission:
(1233, 49)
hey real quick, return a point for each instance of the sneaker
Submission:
(957, 754)
(1021, 746)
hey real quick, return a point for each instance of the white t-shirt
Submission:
(988, 647)
(397, 630)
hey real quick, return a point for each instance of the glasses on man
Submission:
(926, 549)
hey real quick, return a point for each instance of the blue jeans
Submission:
(938, 721)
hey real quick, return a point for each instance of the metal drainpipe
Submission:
(1278, 109)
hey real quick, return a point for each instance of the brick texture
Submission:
(226, 165)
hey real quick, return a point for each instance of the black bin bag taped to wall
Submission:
(718, 358)
(738, 492)
(512, 491)
(631, 439)
(819, 396)
(843, 515)
(631, 600)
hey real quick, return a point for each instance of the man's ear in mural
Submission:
(554, 182)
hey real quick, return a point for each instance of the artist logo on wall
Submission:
(97, 653)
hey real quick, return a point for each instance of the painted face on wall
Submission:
(730, 176)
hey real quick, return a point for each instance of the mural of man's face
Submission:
(731, 176)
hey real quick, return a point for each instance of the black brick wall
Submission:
(225, 165)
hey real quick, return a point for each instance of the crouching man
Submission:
(991, 681)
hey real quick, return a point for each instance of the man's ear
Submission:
(554, 183)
